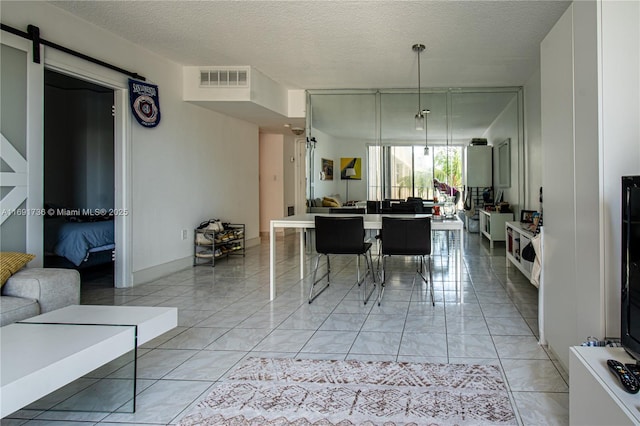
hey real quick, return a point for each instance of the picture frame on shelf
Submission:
(526, 216)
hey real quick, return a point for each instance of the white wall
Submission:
(325, 148)
(532, 144)
(506, 126)
(271, 180)
(277, 178)
(289, 171)
(620, 134)
(333, 149)
(195, 165)
(590, 133)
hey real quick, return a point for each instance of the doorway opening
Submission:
(79, 175)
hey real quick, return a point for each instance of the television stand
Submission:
(596, 397)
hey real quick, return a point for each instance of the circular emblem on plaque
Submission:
(146, 109)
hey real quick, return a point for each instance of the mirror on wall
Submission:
(504, 164)
(378, 128)
(343, 124)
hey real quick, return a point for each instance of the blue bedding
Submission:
(74, 240)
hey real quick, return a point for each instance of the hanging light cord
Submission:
(419, 107)
(418, 48)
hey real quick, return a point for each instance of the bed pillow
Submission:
(11, 262)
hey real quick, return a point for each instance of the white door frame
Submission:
(301, 175)
(122, 161)
(62, 63)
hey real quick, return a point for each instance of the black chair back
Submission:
(351, 210)
(404, 207)
(340, 235)
(373, 207)
(406, 236)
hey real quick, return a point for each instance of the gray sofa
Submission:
(33, 291)
(315, 205)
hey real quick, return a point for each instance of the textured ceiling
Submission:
(341, 44)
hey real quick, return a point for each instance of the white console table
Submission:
(518, 236)
(596, 397)
(492, 225)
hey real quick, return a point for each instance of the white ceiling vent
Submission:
(224, 77)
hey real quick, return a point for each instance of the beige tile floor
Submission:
(225, 316)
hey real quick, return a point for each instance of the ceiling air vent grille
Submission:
(223, 78)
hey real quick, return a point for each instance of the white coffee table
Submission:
(48, 351)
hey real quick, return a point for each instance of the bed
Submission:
(79, 242)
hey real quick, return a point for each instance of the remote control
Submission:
(634, 369)
(627, 380)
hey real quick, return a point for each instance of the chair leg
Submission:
(370, 272)
(433, 301)
(382, 278)
(429, 281)
(315, 272)
(358, 280)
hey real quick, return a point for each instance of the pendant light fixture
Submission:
(420, 117)
(426, 145)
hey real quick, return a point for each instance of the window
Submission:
(401, 171)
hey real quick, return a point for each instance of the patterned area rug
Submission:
(313, 392)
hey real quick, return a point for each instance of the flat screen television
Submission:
(630, 266)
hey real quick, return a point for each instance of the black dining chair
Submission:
(406, 207)
(407, 237)
(373, 207)
(337, 235)
(351, 210)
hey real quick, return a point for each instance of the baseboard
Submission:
(252, 242)
(159, 271)
(280, 233)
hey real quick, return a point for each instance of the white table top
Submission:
(36, 359)
(371, 221)
(152, 321)
(45, 352)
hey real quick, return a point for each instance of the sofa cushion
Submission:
(52, 288)
(11, 262)
(330, 202)
(14, 309)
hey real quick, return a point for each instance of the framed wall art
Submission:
(351, 168)
(326, 168)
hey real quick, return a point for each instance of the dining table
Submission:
(306, 221)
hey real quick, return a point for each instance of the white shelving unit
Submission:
(492, 225)
(517, 237)
(478, 175)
